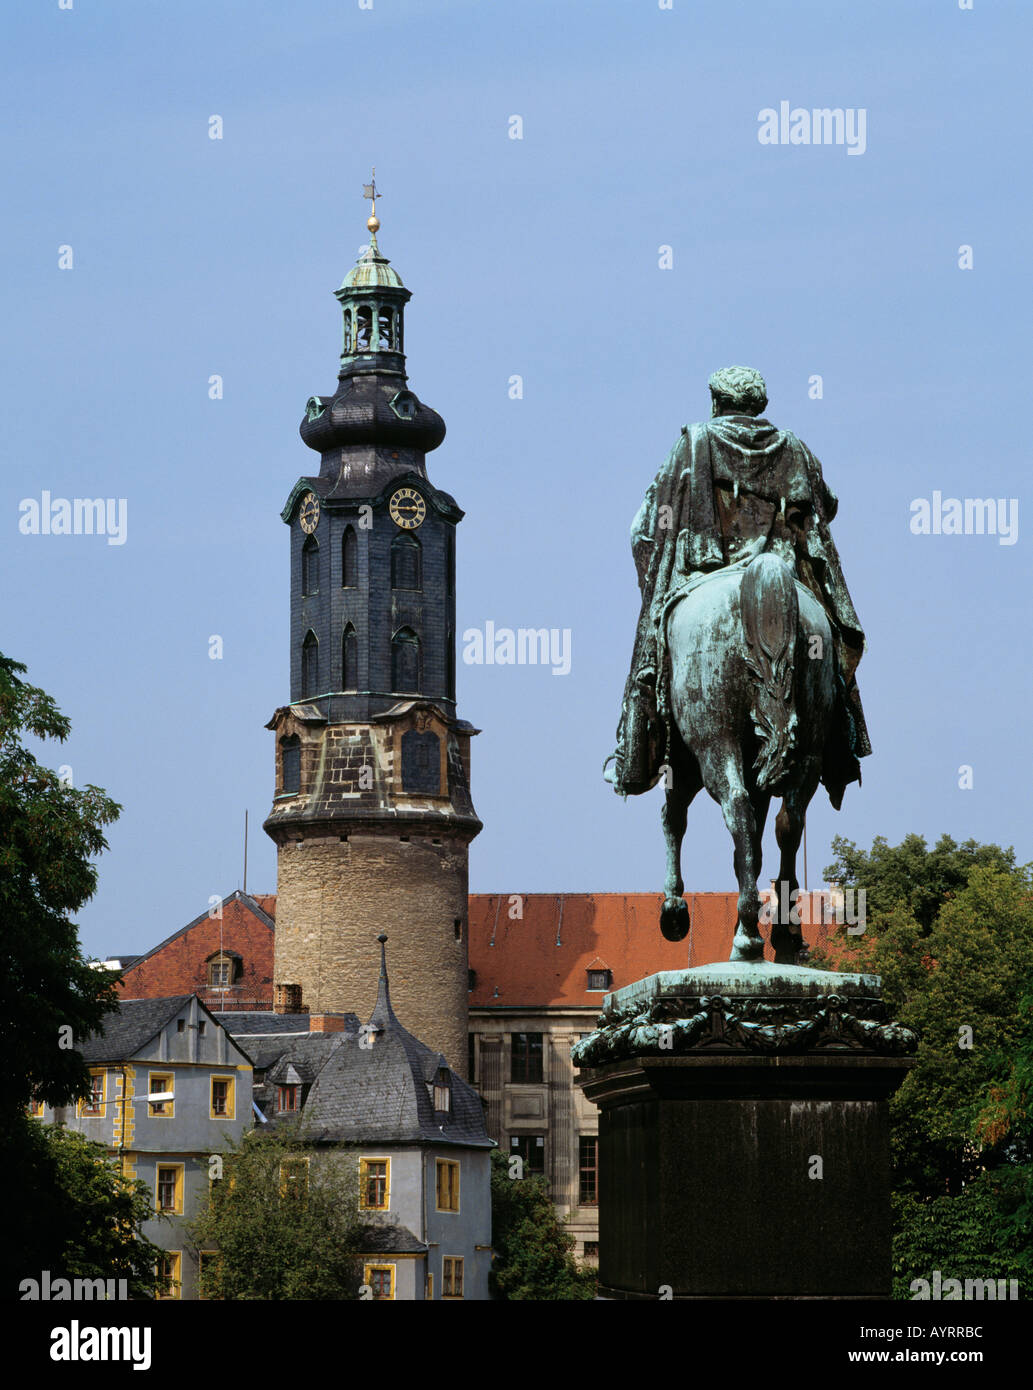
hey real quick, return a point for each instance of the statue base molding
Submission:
(744, 1134)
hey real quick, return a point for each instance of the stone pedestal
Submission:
(743, 1130)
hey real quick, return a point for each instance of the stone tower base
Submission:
(335, 894)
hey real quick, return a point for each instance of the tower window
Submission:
(450, 663)
(349, 659)
(385, 328)
(310, 566)
(349, 559)
(450, 563)
(290, 763)
(310, 665)
(405, 562)
(405, 661)
(421, 762)
(363, 328)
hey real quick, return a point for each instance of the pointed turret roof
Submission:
(380, 1088)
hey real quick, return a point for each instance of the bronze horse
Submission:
(751, 700)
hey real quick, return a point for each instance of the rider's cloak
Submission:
(679, 532)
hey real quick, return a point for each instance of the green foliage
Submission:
(974, 1235)
(76, 1215)
(533, 1257)
(950, 931)
(910, 875)
(48, 832)
(285, 1220)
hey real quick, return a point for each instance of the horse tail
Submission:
(770, 616)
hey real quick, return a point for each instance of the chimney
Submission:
(287, 1000)
(326, 1023)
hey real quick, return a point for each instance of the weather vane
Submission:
(370, 191)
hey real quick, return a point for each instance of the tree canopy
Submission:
(950, 931)
(533, 1258)
(285, 1220)
(49, 830)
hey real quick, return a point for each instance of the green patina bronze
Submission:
(754, 1008)
(742, 677)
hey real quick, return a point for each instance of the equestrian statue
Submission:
(742, 675)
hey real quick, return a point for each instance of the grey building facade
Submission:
(170, 1089)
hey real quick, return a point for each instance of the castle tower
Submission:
(372, 815)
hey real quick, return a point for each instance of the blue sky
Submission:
(536, 257)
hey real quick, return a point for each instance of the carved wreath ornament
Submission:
(824, 1024)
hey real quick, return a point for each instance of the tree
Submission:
(49, 995)
(284, 1219)
(84, 1217)
(950, 931)
(533, 1257)
(910, 875)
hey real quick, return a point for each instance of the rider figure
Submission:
(732, 488)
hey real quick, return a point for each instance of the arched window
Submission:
(349, 559)
(290, 763)
(349, 659)
(363, 328)
(405, 562)
(310, 566)
(347, 330)
(450, 664)
(385, 325)
(450, 563)
(405, 661)
(309, 665)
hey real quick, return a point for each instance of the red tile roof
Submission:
(541, 958)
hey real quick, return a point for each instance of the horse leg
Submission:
(786, 936)
(685, 783)
(723, 778)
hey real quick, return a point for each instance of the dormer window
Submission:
(224, 969)
(442, 1092)
(287, 1098)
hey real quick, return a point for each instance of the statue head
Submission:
(737, 391)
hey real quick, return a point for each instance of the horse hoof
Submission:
(674, 919)
(745, 949)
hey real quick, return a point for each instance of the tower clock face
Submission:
(309, 514)
(407, 508)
